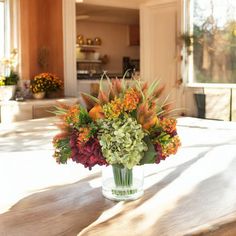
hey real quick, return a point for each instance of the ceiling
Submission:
(90, 12)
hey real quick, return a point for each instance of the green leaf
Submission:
(108, 81)
(101, 82)
(139, 88)
(84, 117)
(65, 150)
(150, 155)
(152, 87)
(123, 81)
(58, 110)
(92, 97)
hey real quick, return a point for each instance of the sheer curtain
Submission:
(9, 29)
(2, 32)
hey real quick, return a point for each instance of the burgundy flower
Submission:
(88, 154)
(159, 155)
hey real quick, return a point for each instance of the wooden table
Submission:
(191, 193)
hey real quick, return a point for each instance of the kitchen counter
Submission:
(98, 76)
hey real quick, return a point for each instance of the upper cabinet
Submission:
(134, 38)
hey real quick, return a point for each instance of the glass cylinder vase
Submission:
(122, 184)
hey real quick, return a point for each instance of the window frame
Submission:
(188, 70)
(7, 26)
(4, 27)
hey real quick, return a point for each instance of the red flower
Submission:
(89, 154)
(159, 153)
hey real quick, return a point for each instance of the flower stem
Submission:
(123, 178)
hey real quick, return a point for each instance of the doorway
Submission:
(107, 39)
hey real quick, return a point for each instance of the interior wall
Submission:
(41, 27)
(114, 42)
(27, 12)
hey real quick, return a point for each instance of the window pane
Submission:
(2, 29)
(214, 47)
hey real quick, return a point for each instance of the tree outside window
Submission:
(213, 28)
(2, 29)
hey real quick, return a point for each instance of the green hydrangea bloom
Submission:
(122, 141)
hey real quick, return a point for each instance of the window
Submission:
(2, 29)
(212, 25)
(8, 30)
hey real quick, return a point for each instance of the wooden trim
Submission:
(69, 49)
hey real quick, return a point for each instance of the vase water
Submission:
(122, 184)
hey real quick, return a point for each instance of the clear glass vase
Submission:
(122, 184)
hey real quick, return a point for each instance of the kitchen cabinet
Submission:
(134, 37)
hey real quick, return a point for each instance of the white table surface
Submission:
(193, 191)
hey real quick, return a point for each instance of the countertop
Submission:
(191, 193)
(98, 76)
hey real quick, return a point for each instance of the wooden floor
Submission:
(192, 193)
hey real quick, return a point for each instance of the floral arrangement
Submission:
(10, 77)
(45, 82)
(124, 125)
(2, 80)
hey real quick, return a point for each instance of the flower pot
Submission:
(39, 95)
(122, 184)
(7, 92)
(53, 94)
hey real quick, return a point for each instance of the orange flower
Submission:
(96, 112)
(84, 135)
(113, 109)
(131, 100)
(146, 116)
(117, 106)
(72, 116)
(172, 147)
(46, 82)
(168, 124)
(150, 123)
